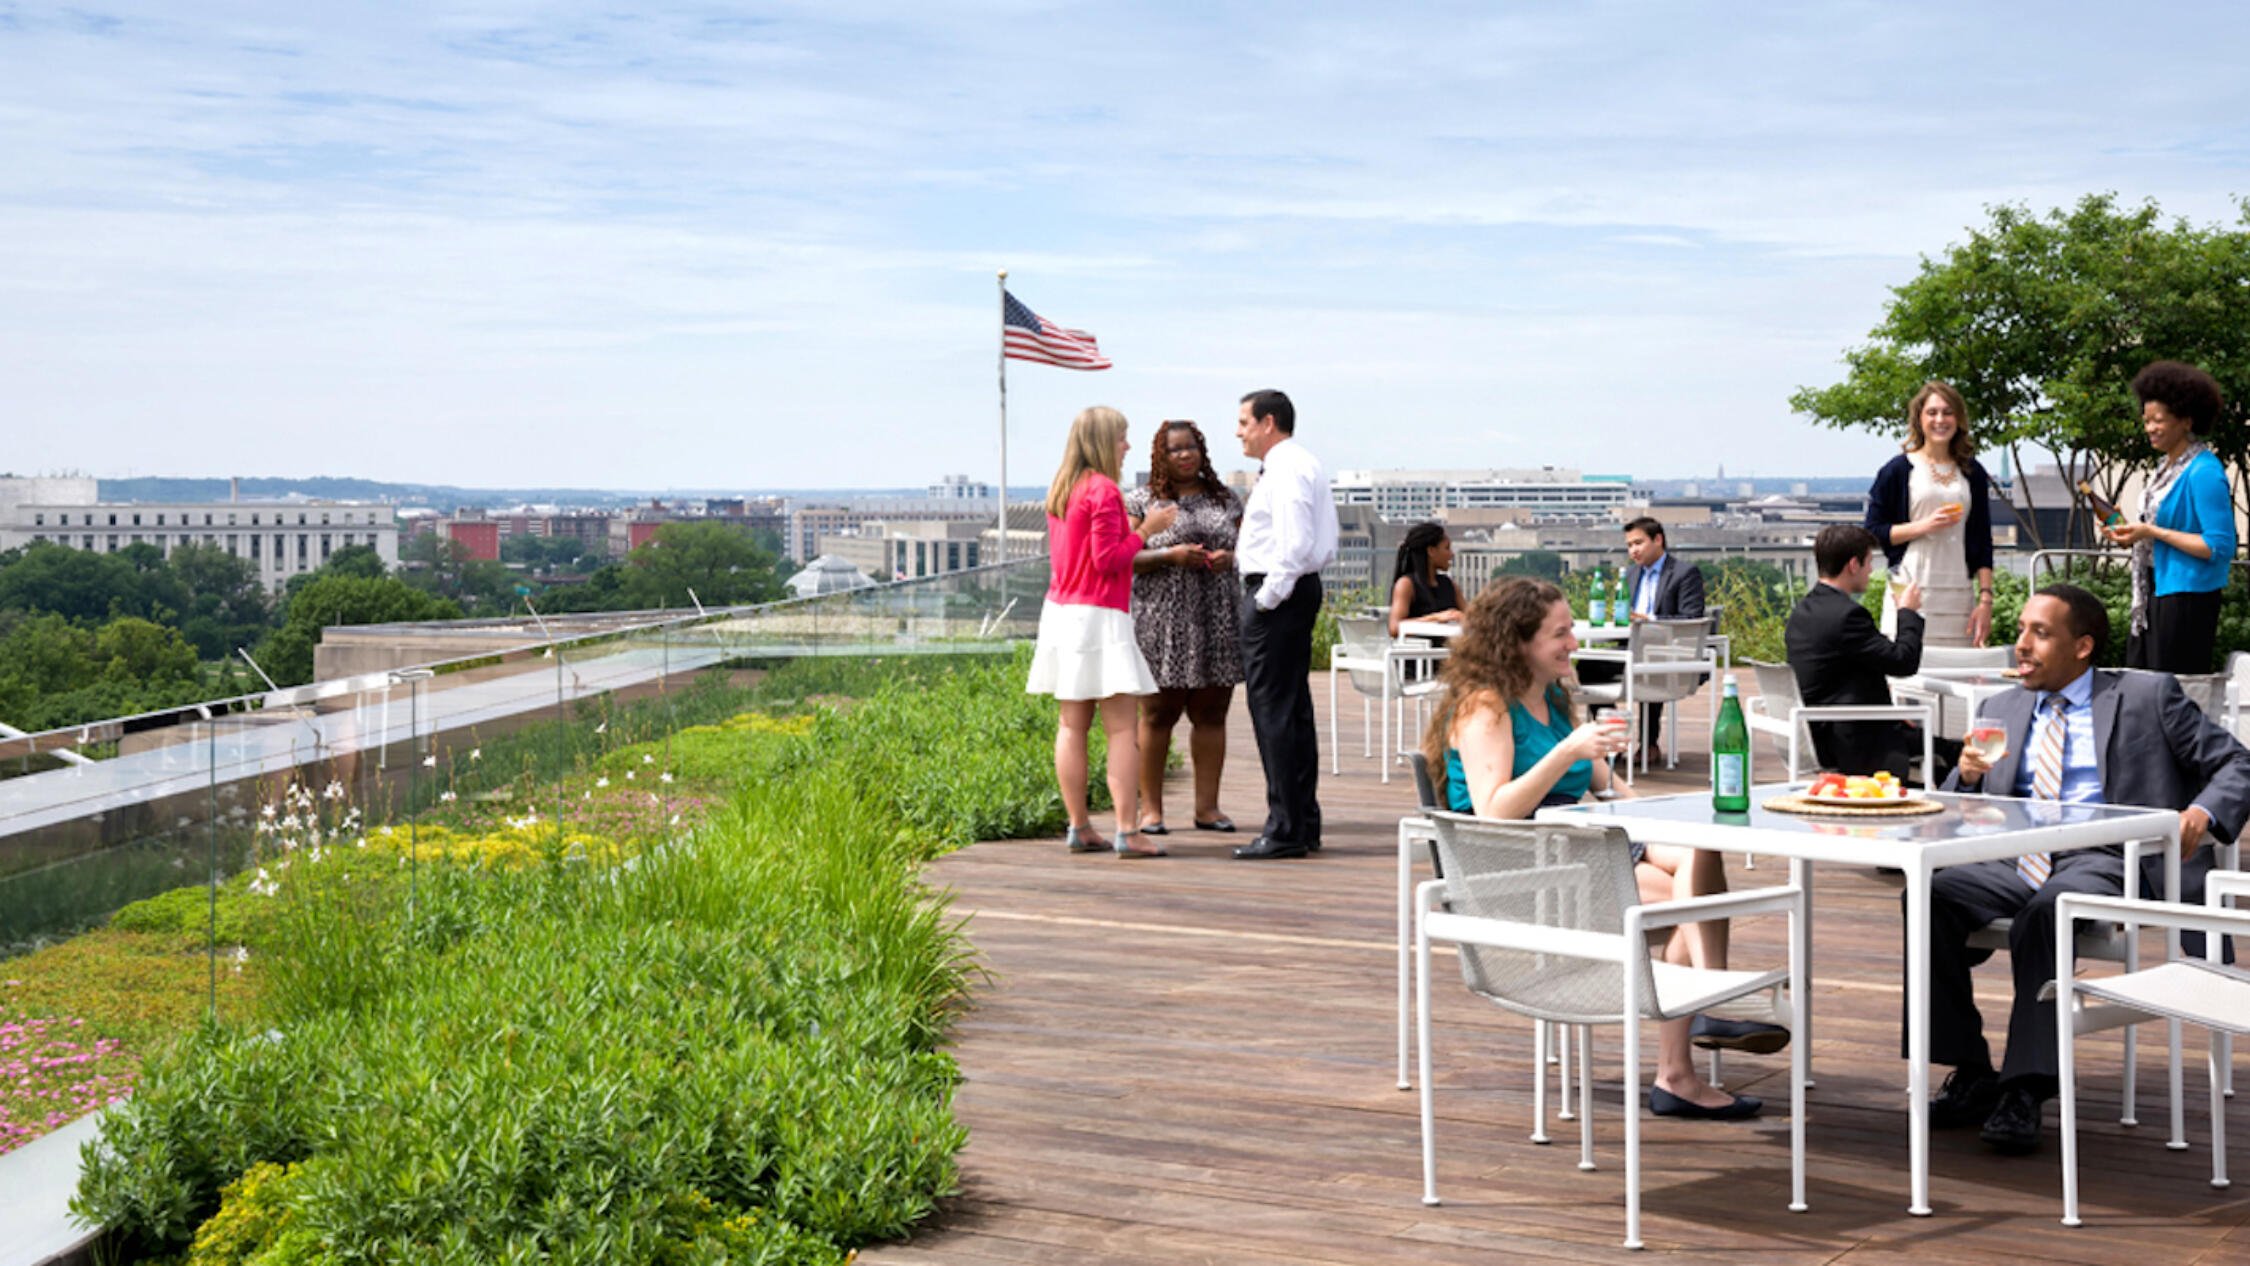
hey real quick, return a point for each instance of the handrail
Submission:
(2039, 557)
(290, 696)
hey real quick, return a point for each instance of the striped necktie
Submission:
(2046, 781)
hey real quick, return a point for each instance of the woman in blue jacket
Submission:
(2183, 542)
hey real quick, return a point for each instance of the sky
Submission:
(755, 245)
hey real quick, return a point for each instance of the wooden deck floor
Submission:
(1193, 1060)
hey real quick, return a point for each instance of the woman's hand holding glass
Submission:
(1599, 739)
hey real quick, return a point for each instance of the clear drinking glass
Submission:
(1989, 742)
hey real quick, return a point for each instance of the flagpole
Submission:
(1003, 415)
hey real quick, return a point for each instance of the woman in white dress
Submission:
(1930, 509)
(1086, 656)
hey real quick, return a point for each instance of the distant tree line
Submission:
(84, 636)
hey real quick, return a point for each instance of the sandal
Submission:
(1086, 843)
(1219, 823)
(1153, 828)
(1127, 850)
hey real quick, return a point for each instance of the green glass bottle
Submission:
(1620, 603)
(1597, 610)
(1730, 755)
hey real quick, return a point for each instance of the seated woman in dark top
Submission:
(1508, 742)
(1420, 589)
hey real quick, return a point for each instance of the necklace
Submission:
(1943, 472)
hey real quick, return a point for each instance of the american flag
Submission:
(1025, 335)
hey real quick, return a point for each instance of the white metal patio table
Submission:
(1970, 829)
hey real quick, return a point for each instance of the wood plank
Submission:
(1193, 1060)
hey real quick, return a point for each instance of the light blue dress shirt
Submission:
(1644, 594)
(2082, 773)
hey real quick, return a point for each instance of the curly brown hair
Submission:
(1161, 484)
(1486, 666)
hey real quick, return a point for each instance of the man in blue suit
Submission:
(2076, 733)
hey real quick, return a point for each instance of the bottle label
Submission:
(1727, 774)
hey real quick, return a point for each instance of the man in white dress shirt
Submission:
(1288, 534)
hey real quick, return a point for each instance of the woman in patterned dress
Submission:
(1186, 598)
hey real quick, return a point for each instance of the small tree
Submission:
(2041, 323)
(1541, 564)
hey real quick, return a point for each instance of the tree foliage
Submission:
(720, 565)
(341, 599)
(2042, 321)
(1542, 564)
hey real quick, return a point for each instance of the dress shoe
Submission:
(2014, 1124)
(1966, 1099)
(1664, 1103)
(1714, 1034)
(1265, 847)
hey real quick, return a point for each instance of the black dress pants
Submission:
(1276, 672)
(1966, 898)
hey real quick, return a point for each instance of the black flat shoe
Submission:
(1220, 823)
(1266, 848)
(1714, 1034)
(1664, 1103)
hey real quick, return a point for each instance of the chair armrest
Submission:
(1471, 929)
(2075, 907)
(2221, 884)
(1673, 668)
(1601, 655)
(1780, 899)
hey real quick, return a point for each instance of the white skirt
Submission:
(1087, 652)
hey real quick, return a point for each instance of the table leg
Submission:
(1918, 1036)
(1405, 900)
(1800, 935)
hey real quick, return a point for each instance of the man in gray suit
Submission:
(2076, 734)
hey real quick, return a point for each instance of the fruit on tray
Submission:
(1881, 785)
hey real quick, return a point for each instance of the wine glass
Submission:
(1613, 718)
(1989, 742)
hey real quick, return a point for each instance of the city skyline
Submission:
(504, 247)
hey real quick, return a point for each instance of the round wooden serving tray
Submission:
(1910, 807)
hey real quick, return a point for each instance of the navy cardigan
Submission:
(1887, 505)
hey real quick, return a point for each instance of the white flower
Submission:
(666, 776)
(447, 797)
(266, 812)
(586, 795)
(476, 753)
(430, 761)
(333, 791)
(675, 819)
(628, 775)
(602, 781)
(603, 728)
(652, 798)
(648, 758)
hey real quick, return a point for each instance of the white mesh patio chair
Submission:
(1549, 925)
(2178, 991)
(1378, 668)
(1941, 658)
(1663, 662)
(1418, 832)
(2238, 693)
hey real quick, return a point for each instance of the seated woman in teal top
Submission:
(2183, 542)
(1512, 659)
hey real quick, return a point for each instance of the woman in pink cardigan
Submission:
(1087, 657)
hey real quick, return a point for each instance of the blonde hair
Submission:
(1962, 448)
(1092, 446)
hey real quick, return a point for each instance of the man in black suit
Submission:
(1840, 657)
(2075, 734)
(1658, 586)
